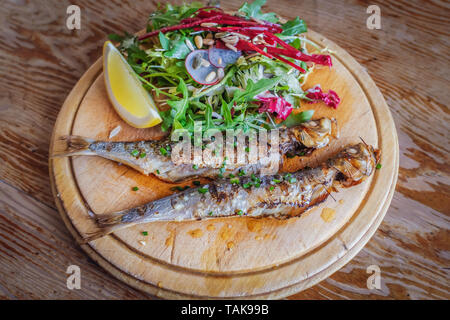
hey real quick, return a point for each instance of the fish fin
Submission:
(72, 146)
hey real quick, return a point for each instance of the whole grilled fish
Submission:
(277, 196)
(153, 157)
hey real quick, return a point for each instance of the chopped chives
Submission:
(378, 166)
(241, 173)
(157, 171)
(163, 151)
(247, 149)
(247, 185)
(271, 188)
(195, 167)
(240, 212)
(144, 233)
(202, 190)
(231, 175)
(210, 213)
(234, 181)
(142, 155)
(135, 153)
(135, 189)
(276, 181)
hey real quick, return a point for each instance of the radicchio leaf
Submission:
(316, 94)
(273, 104)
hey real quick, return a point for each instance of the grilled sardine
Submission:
(277, 196)
(153, 157)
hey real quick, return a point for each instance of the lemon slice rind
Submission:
(152, 117)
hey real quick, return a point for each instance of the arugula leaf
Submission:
(179, 107)
(255, 88)
(178, 50)
(165, 43)
(167, 120)
(115, 37)
(254, 10)
(226, 112)
(294, 27)
(171, 15)
(295, 119)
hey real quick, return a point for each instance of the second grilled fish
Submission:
(276, 196)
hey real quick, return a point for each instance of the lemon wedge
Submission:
(126, 93)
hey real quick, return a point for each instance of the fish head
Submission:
(355, 163)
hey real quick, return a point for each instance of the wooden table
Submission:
(41, 60)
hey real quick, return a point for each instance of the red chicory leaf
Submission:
(316, 94)
(273, 104)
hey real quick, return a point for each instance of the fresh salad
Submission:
(227, 71)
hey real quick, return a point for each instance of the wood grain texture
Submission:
(407, 58)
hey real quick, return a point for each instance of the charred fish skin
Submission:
(277, 196)
(154, 157)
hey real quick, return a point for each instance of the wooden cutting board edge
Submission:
(381, 113)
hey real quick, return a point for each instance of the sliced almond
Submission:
(208, 24)
(189, 45)
(231, 39)
(198, 41)
(209, 36)
(208, 42)
(230, 46)
(219, 35)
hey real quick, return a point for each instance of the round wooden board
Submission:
(232, 257)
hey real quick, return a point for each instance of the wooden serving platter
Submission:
(230, 257)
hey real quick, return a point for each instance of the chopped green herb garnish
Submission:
(241, 173)
(257, 185)
(157, 171)
(135, 153)
(240, 212)
(196, 183)
(231, 175)
(293, 180)
(202, 190)
(271, 188)
(247, 149)
(276, 181)
(287, 176)
(378, 166)
(247, 185)
(163, 151)
(210, 213)
(135, 189)
(195, 167)
(234, 181)
(144, 233)
(142, 155)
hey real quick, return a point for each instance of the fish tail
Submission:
(108, 220)
(72, 146)
(107, 223)
(91, 236)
